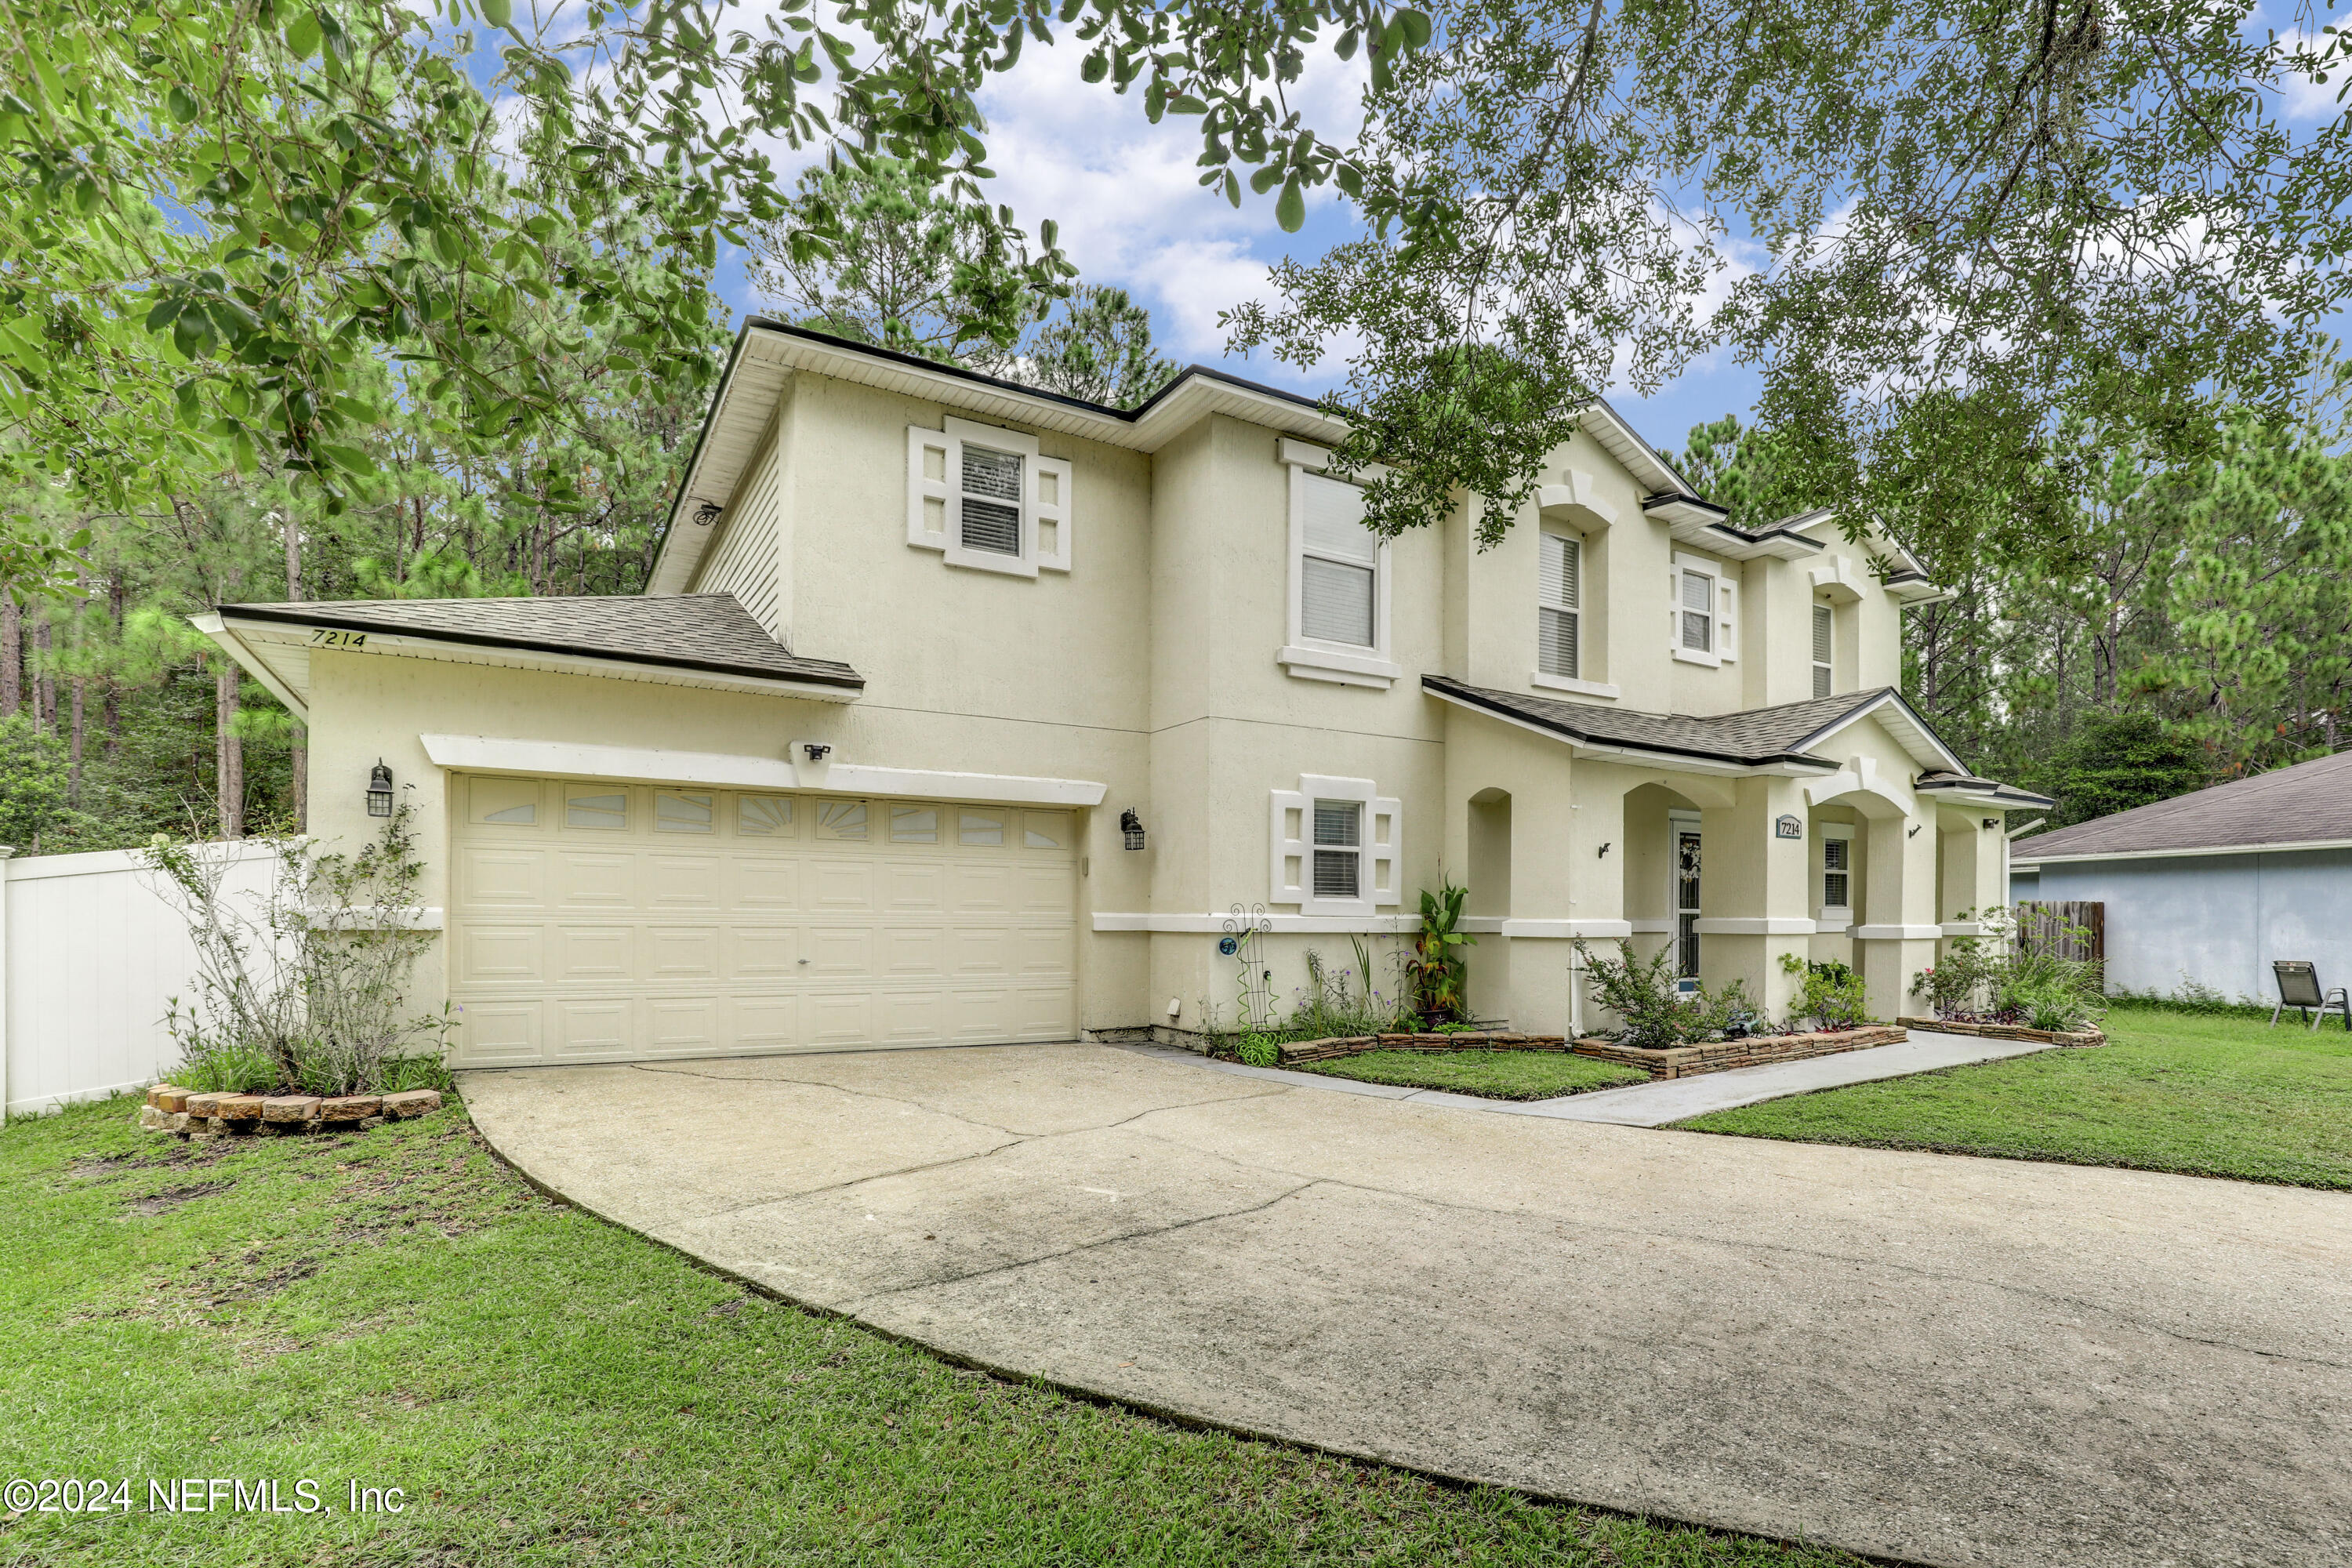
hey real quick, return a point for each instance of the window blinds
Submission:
(992, 501)
(1824, 628)
(1338, 575)
(1698, 611)
(1557, 595)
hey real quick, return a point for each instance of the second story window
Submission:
(987, 499)
(1824, 642)
(1697, 602)
(1703, 626)
(1339, 574)
(1559, 586)
(990, 508)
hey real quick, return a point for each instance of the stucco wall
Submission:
(2220, 918)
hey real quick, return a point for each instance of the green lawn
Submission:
(1498, 1075)
(2204, 1096)
(395, 1308)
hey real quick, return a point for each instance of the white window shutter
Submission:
(1727, 620)
(1049, 511)
(932, 461)
(1673, 609)
(1384, 851)
(1292, 857)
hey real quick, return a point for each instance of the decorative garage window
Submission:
(1835, 908)
(509, 803)
(1340, 580)
(1558, 602)
(987, 499)
(1824, 647)
(844, 820)
(601, 806)
(1703, 612)
(1335, 846)
(763, 815)
(677, 812)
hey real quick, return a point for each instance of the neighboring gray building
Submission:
(2214, 885)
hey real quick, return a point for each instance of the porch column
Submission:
(1753, 890)
(1905, 925)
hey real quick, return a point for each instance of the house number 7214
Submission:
(321, 638)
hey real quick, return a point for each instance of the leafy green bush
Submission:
(1832, 996)
(1439, 972)
(1647, 995)
(1992, 978)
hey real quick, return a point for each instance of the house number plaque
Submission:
(1788, 828)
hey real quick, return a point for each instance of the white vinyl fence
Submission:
(91, 955)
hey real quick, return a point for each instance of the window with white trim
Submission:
(1335, 850)
(1559, 589)
(1703, 613)
(1340, 583)
(1837, 869)
(987, 499)
(1824, 644)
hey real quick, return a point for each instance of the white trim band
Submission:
(1306, 925)
(2026, 861)
(1897, 933)
(727, 770)
(1752, 925)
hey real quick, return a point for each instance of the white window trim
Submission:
(1343, 664)
(1035, 511)
(1541, 677)
(1726, 612)
(1833, 918)
(1293, 865)
(1582, 688)
(1831, 663)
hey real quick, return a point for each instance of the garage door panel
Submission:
(839, 1017)
(595, 879)
(681, 881)
(762, 952)
(763, 1023)
(597, 952)
(885, 923)
(501, 877)
(764, 882)
(681, 953)
(501, 954)
(911, 1018)
(494, 1032)
(595, 1027)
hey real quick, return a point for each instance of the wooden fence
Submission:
(2072, 927)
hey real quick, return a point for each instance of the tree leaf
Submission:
(1290, 209)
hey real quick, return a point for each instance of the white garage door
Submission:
(607, 923)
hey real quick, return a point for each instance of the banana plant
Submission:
(1438, 969)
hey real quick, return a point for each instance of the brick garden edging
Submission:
(2012, 1032)
(1722, 1055)
(193, 1113)
(1295, 1051)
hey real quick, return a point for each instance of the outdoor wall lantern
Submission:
(1132, 827)
(380, 790)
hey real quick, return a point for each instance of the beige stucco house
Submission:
(853, 771)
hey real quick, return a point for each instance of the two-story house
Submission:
(959, 711)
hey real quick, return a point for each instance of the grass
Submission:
(398, 1309)
(2202, 1095)
(1498, 1075)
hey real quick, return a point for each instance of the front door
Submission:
(1686, 906)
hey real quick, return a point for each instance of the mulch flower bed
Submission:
(195, 1113)
(2011, 1032)
(1722, 1055)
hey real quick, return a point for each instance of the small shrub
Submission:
(1258, 1050)
(1832, 996)
(1437, 968)
(1995, 979)
(1647, 995)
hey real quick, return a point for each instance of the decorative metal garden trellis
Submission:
(1253, 980)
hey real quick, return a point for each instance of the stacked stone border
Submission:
(193, 1113)
(2011, 1032)
(1297, 1051)
(1722, 1055)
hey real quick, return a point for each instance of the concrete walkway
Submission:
(1668, 1100)
(1935, 1359)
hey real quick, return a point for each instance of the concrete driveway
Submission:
(1938, 1359)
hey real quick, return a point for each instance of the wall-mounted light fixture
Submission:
(1131, 826)
(1915, 830)
(379, 791)
(707, 513)
(1992, 822)
(816, 753)
(1604, 853)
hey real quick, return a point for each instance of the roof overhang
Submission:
(1901, 721)
(1984, 793)
(1684, 759)
(2023, 856)
(727, 769)
(276, 653)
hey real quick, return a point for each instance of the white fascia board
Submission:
(2022, 858)
(487, 753)
(456, 651)
(250, 656)
(1909, 732)
(1624, 442)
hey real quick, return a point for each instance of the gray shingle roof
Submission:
(2308, 802)
(1755, 736)
(707, 632)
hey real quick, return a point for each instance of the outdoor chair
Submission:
(2298, 985)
